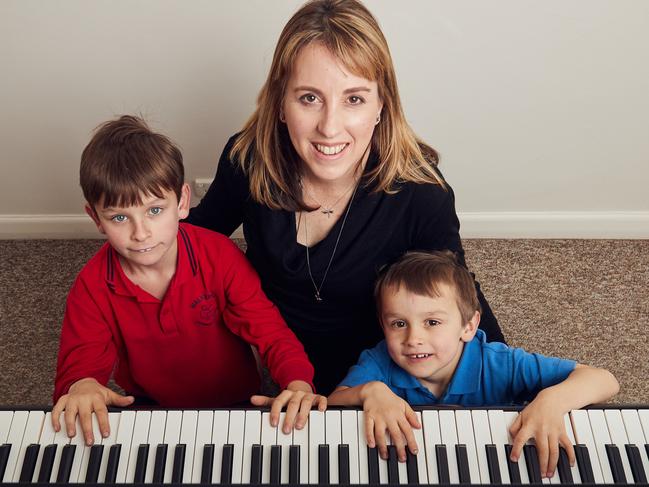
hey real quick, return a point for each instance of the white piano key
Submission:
(285, 440)
(601, 436)
(124, 437)
(499, 437)
(140, 437)
(268, 439)
(316, 437)
(350, 437)
(618, 437)
(252, 436)
(5, 425)
(31, 435)
(113, 423)
(402, 467)
(464, 426)
(576, 476)
(82, 454)
(449, 438)
(643, 414)
(46, 438)
(203, 437)
(155, 438)
(584, 436)
(510, 417)
(383, 464)
(220, 429)
(363, 471)
(173, 426)
(421, 446)
(15, 439)
(188, 438)
(235, 437)
(482, 434)
(636, 437)
(333, 437)
(432, 437)
(301, 438)
(61, 439)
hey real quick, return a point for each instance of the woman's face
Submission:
(330, 114)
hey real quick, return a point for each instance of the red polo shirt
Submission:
(190, 349)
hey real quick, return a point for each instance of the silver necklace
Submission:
(308, 260)
(327, 210)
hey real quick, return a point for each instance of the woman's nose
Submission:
(330, 121)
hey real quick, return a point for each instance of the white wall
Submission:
(537, 108)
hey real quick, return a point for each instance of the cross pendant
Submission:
(327, 211)
(317, 296)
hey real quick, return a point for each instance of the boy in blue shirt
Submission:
(433, 353)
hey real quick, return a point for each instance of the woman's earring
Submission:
(378, 119)
(281, 116)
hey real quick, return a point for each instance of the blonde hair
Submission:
(263, 148)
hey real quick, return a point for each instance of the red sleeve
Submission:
(253, 317)
(86, 348)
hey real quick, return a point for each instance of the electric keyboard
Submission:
(238, 446)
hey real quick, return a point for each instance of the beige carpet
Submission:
(584, 299)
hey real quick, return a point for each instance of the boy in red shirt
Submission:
(168, 309)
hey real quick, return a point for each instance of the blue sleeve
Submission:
(371, 366)
(532, 372)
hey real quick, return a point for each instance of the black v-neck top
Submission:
(379, 228)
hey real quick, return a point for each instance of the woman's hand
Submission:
(83, 398)
(298, 398)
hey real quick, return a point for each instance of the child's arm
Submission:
(298, 398)
(384, 411)
(543, 419)
(83, 398)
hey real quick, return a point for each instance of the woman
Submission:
(331, 184)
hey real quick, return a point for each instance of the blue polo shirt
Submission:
(488, 374)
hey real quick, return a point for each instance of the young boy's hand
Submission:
(542, 420)
(385, 411)
(298, 397)
(83, 398)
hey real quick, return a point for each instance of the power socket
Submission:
(201, 185)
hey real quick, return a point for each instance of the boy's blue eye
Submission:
(156, 210)
(119, 218)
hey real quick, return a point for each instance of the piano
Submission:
(238, 446)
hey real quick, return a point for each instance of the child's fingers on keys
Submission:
(412, 418)
(85, 420)
(570, 450)
(517, 445)
(553, 457)
(381, 441)
(292, 410)
(102, 420)
(406, 430)
(543, 453)
(56, 412)
(369, 431)
(70, 418)
(399, 441)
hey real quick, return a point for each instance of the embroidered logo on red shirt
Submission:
(205, 309)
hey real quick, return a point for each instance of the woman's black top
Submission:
(379, 228)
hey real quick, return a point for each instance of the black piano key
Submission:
(294, 464)
(442, 464)
(226, 463)
(393, 465)
(178, 468)
(65, 464)
(4, 458)
(637, 469)
(584, 465)
(565, 474)
(532, 462)
(113, 463)
(514, 471)
(343, 464)
(463, 464)
(47, 464)
(492, 463)
(275, 464)
(208, 464)
(94, 463)
(140, 463)
(159, 463)
(256, 463)
(615, 461)
(412, 468)
(29, 463)
(323, 464)
(373, 465)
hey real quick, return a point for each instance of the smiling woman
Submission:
(331, 183)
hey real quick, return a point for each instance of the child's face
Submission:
(144, 235)
(425, 335)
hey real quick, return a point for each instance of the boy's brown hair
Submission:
(422, 273)
(125, 160)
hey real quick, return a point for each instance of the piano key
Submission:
(482, 436)
(207, 464)
(393, 465)
(276, 464)
(173, 425)
(448, 433)
(316, 438)
(252, 436)
(188, 438)
(256, 457)
(422, 472)
(155, 438)
(464, 427)
(373, 466)
(343, 464)
(60, 440)
(512, 467)
(227, 462)
(442, 464)
(5, 426)
(637, 470)
(5, 450)
(46, 439)
(220, 427)
(14, 438)
(83, 456)
(532, 464)
(584, 436)
(112, 463)
(65, 465)
(179, 463)
(495, 474)
(563, 467)
(323, 465)
(107, 443)
(615, 462)
(574, 469)
(301, 440)
(462, 464)
(584, 465)
(29, 463)
(236, 434)
(268, 440)
(284, 440)
(44, 470)
(333, 437)
(363, 459)
(124, 436)
(350, 438)
(602, 438)
(619, 437)
(412, 469)
(140, 463)
(140, 435)
(294, 464)
(30, 437)
(500, 438)
(94, 463)
(635, 435)
(521, 467)
(432, 437)
(203, 437)
(160, 463)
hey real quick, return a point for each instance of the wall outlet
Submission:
(201, 185)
